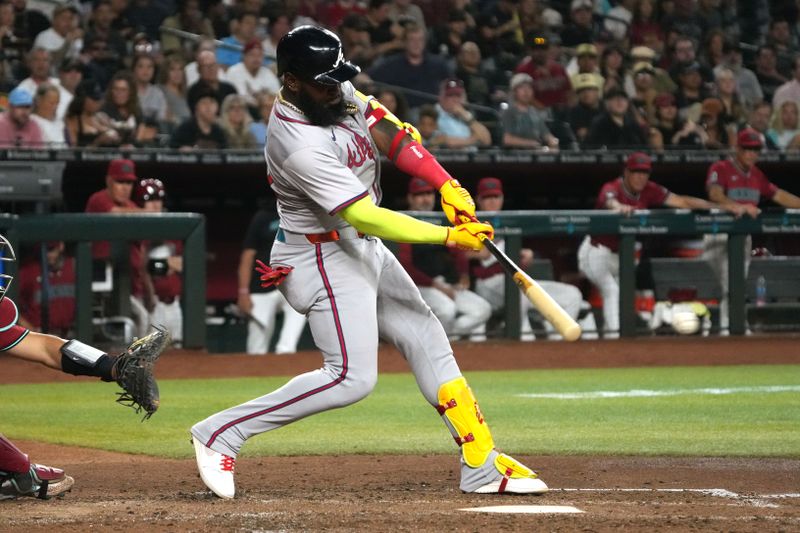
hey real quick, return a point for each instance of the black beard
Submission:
(320, 114)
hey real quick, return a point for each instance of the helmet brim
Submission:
(344, 72)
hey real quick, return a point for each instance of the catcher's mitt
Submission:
(134, 372)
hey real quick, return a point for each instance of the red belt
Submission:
(331, 236)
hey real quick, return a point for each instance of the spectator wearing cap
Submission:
(644, 92)
(490, 278)
(581, 115)
(747, 84)
(523, 124)
(189, 18)
(414, 68)
(739, 186)
(201, 131)
(550, 80)
(767, 72)
(45, 114)
(691, 89)
(442, 275)
(585, 62)
(676, 132)
(582, 27)
(458, 125)
(38, 62)
(598, 255)
(70, 76)
(209, 82)
(250, 76)
(784, 127)
(645, 28)
(662, 82)
(618, 19)
(116, 198)
(84, 125)
(64, 39)
(243, 30)
(16, 127)
(615, 127)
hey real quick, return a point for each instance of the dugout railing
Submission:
(119, 229)
(514, 225)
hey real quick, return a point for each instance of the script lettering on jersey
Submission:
(358, 151)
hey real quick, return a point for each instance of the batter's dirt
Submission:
(118, 492)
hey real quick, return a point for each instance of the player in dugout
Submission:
(323, 163)
(598, 256)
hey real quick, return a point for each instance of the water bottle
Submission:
(761, 291)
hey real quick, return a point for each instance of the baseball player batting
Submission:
(132, 370)
(323, 164)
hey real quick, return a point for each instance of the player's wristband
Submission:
(415, 160)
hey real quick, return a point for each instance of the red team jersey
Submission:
(740, 186)
(653, 195)
(62, 295)
(10, 333)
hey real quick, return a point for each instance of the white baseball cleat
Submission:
(515, 478)
(216, 470)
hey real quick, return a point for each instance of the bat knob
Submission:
(572, 333)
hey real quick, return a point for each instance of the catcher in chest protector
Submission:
(132, 370)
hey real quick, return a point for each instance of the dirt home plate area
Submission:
(119, 492)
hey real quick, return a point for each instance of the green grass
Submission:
(396, 419)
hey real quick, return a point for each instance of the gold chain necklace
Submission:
(287, 103)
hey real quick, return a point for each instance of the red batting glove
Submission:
(272, 276)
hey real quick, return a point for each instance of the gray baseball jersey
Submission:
(353, 290)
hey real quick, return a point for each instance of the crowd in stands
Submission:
(530, 74)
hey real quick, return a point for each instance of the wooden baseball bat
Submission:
(549, 308)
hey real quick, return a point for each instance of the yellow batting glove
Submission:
(457, 203)
(414, 132)
(469, 236)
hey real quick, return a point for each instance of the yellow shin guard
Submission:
(460, 412)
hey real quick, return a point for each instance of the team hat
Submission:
(643, 53)
(749, 138)
(520, 78)
(585, 81)
(122, 170)
(452, 87)
(489, 187)
(586, 49)
(643, 67)
(639, 162)
(20, 97)
(419, 186)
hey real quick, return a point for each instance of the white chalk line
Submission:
(644, 393)
(755, 501)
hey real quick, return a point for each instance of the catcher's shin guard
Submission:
(460, 412)
(11, 458)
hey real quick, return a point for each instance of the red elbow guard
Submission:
(415, 160)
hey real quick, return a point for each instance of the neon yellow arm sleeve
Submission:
(370, 219)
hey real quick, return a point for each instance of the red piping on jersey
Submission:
(342, 346)
(349, 202)
(289, 119)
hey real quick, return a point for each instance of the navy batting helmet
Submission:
(314, 54)
(148, 189)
